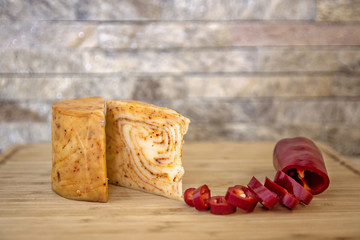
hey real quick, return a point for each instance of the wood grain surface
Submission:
(29, 209)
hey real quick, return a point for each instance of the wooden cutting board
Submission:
(30, 210)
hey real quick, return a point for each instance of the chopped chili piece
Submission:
(301, 159)
(188, 196)
(219, 206)
(267, 198)
(293, 187)
(284, 197)
(241, 197)
(200, 198)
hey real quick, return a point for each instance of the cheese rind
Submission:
(144, 146)
(78, 149)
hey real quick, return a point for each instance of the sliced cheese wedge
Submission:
(144, 147)
(78, 149)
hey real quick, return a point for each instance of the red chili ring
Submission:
(267, 198)
(284, 197)
(188, 196)
(293, 187)
(200, 198)
(241, 197)
(219, 206)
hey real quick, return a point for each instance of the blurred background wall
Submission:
(239, 69)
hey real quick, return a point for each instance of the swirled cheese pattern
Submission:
(144, 146)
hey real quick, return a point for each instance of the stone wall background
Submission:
(239, 69)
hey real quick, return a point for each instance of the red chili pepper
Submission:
(188, 196)
(200, 198)
(267, 198)
(219, 205)
(293, 187)
(241, 197)
(286, 198)
(302, 160)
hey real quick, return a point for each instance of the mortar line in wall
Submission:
(247, 99)
(151, 21)
(275, 99)
(144, 22)
(213, 48)
(171, 74)
(227, 48)
(250, 48)
(243, 48)
(177, 49)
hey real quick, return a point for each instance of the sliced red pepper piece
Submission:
(219, 205)
(301, 159)
(188, 196)
(293, 187)
(267, 198)
(200, 198)
(241, 197)
(284, 197)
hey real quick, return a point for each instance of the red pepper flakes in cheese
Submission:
(78, 149)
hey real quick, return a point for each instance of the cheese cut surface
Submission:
(78, 149)
(144, 147)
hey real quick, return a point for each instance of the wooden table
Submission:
(30, 210)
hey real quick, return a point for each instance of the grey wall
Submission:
(240, 70)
